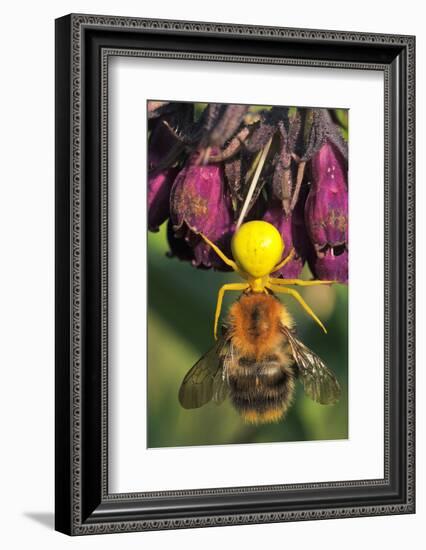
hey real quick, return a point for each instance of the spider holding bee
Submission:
(257, 357)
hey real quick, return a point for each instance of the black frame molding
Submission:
(84, 43)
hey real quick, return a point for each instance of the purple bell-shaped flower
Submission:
(199, 204)
(326, 215)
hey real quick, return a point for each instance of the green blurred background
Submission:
(181, 304)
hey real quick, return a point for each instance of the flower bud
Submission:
(159, 187)
(160, 179)
(161, 142)
(326, 215)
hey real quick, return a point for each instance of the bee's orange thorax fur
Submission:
(255, 320)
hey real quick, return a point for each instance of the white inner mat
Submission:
(133, 467)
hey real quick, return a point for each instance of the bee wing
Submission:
(319, 382)
(220, 386)
(202, 381)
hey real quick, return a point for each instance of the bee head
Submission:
(257, 247)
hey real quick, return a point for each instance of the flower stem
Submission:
(253, 184)
(299, 179)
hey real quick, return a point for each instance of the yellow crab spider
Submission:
(257, 247)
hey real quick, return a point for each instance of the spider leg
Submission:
(285, 261)
(222, 290)
(221, 255)
(299, 282)
(296, 295)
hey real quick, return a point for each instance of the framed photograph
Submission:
(223, 355)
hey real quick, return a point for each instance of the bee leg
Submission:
(298, 282)
(221, 255)
(296, 295)
(285, 261)
(222, 290)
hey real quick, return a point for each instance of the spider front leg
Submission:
(299, 282)
(222, 290)
(221, 255)
(285, 261)
(296, 295)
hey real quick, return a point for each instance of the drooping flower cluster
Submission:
(213, 166)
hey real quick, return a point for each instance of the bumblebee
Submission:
(256, 362)
(258, 357)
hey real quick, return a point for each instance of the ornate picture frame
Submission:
(84, 45)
